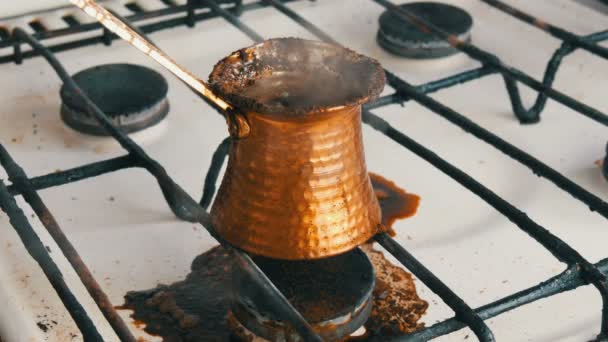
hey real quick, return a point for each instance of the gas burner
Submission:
(333, 294)
(405, 39)
(132, 96)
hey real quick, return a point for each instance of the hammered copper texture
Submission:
(298, 188)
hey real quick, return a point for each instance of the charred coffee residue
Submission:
(194, 309)
(45, 324)
(198, 308)
(396, 306)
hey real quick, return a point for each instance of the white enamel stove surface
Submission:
(128, 237)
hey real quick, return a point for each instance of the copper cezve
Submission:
(296, 185)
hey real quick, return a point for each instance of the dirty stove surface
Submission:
(126, 234)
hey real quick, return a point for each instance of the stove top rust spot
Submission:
(199, 307)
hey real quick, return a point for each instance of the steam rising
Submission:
(294, 76)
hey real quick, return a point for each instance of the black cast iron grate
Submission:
(579, 271)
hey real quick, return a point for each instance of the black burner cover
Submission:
(132, 96)
(403, 38)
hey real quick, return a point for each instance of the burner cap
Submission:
(403, 38)
(132, 96)
(333, 294)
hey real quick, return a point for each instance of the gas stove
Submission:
(98, 225)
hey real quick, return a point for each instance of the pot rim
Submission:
(238, 70)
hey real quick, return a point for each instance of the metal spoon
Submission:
(112, 23)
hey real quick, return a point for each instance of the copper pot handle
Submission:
(238, 126)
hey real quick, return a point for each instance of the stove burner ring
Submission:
(333, 294)
(404, 39)
(132, 96)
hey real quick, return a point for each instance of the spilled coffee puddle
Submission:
(203, 297)
(395, 202)
(198, 308)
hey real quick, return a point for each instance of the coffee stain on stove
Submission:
(45, 324)
(100, 149)
(198, 307)
(18, 139)
(395, 202)
(397, 308)
(69, 141)
(203, 297)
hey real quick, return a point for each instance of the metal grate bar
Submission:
(431, 87)
(462, 310)
(568, 280)
(595, 203)
(556, 246)
(77, 174)
(280, 6)
(510, 74)
(209, 187)
(548, 79)
(232, 19)
(80, 28)
(551, 71)
(162, 24)
(162, 12)
(425, 88)
(143, 34)
(417, 93)
(561, 250)
(103, 38)
(37, 26)
(179, 201)
(134, 7)
(70, 20)
(169, 2)
(21, 181)
(4, 34)
(557, 32)
(384, 101)
(408, 91)
(449, 81)
(36, 249)
(579, 272)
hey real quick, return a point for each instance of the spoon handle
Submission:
(112, 23)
